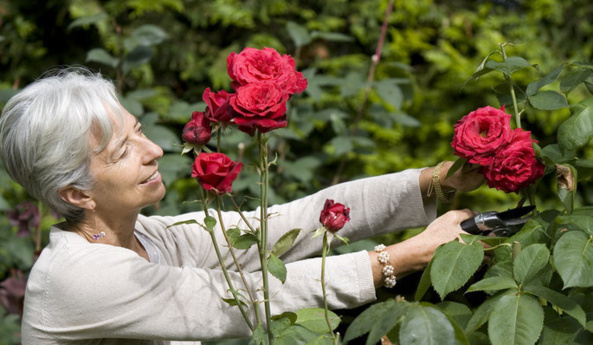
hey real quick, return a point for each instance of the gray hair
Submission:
(44, 133)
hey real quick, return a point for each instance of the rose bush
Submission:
(215, 172)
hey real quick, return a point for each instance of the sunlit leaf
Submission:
(548, 100)
(100, 55)
(573, 258)
(314, 319)
(559, 300)
(426, 325)
(299, 34)
(88, 20)
(534, 86)
(529, 262)
(493, 284)
(454, 263)
(277, 268)
(515, 320)
(285, 242)
(577, 130)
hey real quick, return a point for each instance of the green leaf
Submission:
(424, 283)
(405, 120)
(137, 57)
(390, 92)
(424, 325)
(285, 242)
(342, 145)
(88, 20)
(365, 321)
(559, 330)
(459, 312)
(277, 268)
(100, 55)
(314, 319)
(259, 336)
(559, 300)
(210, 222)
(508, 66)
(483, 312)
(453, 264)
(391, 318)
(147, 35)
(493, 284)
(166, 138)
(573, 79)
(548, 100)
(299, 34)
(239, 241)
(534, 86)
(172, 166)
(576, 131)
(332, 36)
(528, 264)
(573, 259)
(516, 319)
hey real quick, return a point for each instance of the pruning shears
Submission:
(499, 224)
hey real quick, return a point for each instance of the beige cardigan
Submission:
(88, 293)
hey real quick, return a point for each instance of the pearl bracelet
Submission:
(387, 270)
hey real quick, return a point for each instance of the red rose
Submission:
(334, 215)
(197, 130)
(218, 106)
(480, 134)
(515, 166)
(255, 65)
(215, 171)
(260, 106)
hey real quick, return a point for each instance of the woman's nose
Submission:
(152, 151)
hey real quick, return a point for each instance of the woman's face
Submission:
(126, 171)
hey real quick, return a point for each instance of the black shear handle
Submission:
(470, 226)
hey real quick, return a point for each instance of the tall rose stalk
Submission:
(263, 81)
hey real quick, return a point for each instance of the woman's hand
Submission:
(465, 179)
(415, 253)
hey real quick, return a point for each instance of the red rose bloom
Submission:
(218, 109)
(260, 106)
(334, 215)
(215, 172)
(480, 134)
(515, 166)
(255, 65)
(197, 130)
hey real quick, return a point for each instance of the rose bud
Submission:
(334, 215)
(197, 130)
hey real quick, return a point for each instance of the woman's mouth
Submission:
(155, 177)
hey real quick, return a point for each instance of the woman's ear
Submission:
(77, 197)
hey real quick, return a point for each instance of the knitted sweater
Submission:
(89, 293)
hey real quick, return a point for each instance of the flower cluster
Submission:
(263, 81)
(508, 161)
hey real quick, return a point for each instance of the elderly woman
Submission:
(113, 276)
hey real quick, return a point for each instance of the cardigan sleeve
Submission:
(81, 290)
(378, 205)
